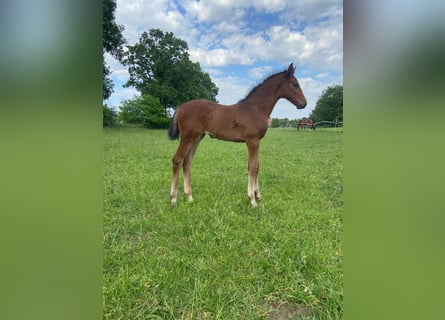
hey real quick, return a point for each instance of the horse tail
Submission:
(173, 130)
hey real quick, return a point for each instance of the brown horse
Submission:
(245, 121)
(304, 123)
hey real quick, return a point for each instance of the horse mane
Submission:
(259, 85)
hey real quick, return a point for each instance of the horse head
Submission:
(291, 89)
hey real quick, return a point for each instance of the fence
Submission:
(334, 124)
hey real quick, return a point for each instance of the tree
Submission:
(329, 106)
(159, 66)
(109, 117)
(112, 43)
(293, 123)
(107, 83)
(275, 123)
(146, 111)
(280, 123)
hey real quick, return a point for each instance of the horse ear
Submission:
(290, 70)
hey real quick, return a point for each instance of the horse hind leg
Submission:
(177, 162)
(186, 167)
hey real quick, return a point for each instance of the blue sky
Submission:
(241, 42)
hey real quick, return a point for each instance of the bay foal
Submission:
(245, 121)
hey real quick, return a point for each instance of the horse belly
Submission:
(226, 129)
(226, 135)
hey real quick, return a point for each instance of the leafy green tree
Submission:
(112, 42)
(293, 123)
(109, 117)
(329, 106)
(146, 111)
(284, 123)
(275, 123)
(159, 65)
(107, 83)
(280, 123)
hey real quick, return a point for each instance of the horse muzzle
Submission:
(301, 105)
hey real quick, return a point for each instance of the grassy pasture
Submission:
(217, 258)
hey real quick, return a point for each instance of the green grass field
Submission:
(217, 258)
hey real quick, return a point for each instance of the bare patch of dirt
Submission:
(285, 311)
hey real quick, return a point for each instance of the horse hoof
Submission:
(190, 198)
(173, 202)
(253, 204)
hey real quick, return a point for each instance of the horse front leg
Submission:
(251, 188)
(258, 195)
(253, 167)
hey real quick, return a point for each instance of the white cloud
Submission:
(260, 72)
(120, 94)
(230, 42)
(269, 5)
(220, 57)
(231, 89)
(138, 16)
(227, 28)
(310, 11)
(321, 75)
(119, 71)
(213, 10)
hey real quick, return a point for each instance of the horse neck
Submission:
(265, 96)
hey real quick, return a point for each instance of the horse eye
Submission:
(295, 85)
